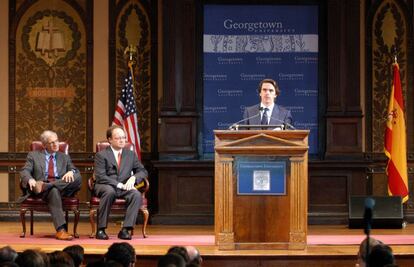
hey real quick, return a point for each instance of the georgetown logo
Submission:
(253, 26)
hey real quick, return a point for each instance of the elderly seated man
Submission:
(52, 175)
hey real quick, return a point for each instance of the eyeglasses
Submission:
(119, 138)
(53, 142)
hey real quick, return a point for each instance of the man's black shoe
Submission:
(124, 234)
(101, 235)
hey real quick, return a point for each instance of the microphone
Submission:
(290, 126)
(369, 206)
(235, 125)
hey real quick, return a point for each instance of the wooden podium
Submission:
(261, 221)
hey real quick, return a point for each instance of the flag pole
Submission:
(395, 145)
(131, 52)
(395, 55)
(404, 204)
(126, 114)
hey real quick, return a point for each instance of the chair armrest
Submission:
(91, 182)
(24, 190)
(143, 186)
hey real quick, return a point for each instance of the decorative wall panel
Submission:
(133, 27)
(50, 63)
(389, 39)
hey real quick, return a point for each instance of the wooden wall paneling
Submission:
(379, 184)
(178, 112)
(178, 136)
(331, 185)
(334, 31)
(343, 57)
(179, 60)
(344, 136)
(329, 192)
(188, 55)
(168, 87)
(185, 192)
(351, 78)
(344, 113)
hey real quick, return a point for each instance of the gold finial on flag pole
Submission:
(131, 52)
(131, 55)
(395, 55)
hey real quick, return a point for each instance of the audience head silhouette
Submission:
(172, 260)
(181, 256)
(194, 256)
(31, 258)
(7, 254)
(76, 252)
(380, 256)
(363, 250)
(182, 251)
(60, 259)
(121, 252)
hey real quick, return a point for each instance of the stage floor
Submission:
(329, 242)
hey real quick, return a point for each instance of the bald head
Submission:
(193, 255)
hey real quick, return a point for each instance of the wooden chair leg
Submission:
(145, 214)
(75, 223)
(23, 220)
(92, 213)
(31, 222)
(67, 218)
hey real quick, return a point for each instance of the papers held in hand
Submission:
(275, 127)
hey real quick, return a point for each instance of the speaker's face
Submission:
(267, 94)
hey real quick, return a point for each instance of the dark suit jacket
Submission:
(106, 167)
(279, 115)
(35, 166)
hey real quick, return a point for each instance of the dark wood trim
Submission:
(12, 76)
(112, 58)
(88, 20)
(155, 46)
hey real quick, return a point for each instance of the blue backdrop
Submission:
(243, 44)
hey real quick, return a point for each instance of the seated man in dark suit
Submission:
(267, 112)
(117, 171)
(51, 174)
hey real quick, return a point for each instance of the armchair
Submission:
(119, 205)
(36, 203)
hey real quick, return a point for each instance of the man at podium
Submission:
(267, 112)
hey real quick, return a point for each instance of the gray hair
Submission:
(44, 137)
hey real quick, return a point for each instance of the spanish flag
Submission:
(395, 141)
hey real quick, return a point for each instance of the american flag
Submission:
(126, 113)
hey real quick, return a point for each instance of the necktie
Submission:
(264, 117)
(51, 169)
(119, 159)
